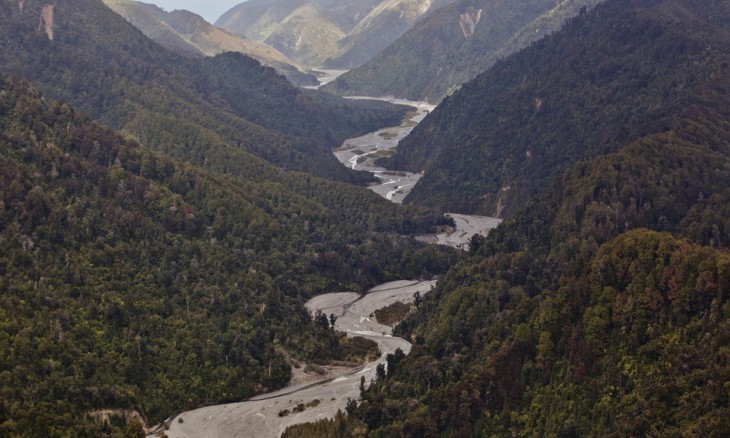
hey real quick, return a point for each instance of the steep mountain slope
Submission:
(587, 90)
(601, 309)
(453, 45)
(331, 33)
(188, 34)
(135, 285)
(379, 28)
(92, 58)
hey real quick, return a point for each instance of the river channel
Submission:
(263, 416)
(361, 153)
(321, 395)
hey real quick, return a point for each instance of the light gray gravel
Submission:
(259, 417)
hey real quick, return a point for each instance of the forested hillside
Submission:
(611, 76)
(454, 44)
(132, 281)
(602, 308)
(200, 110)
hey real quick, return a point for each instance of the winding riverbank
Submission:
(311, 397)
(260, 416)
(361, 153)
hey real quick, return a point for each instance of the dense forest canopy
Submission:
(165, 265)
(601, 307)
(130, 280)
(611, 76)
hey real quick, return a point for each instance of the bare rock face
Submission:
(469, 20)
(45, 22)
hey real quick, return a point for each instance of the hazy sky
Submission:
(211, 10)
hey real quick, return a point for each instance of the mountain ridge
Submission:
(326, 33)
(104, 66)
(188, 34)
(453, 45)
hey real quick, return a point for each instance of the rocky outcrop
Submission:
(45, 22)
(105, 416)
(469, 20)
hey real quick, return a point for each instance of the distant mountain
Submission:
(329, 33)
(596, 85)
(188, 34)
(214, 111)
(453, 45)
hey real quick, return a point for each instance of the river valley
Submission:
(362, 153)
(312, 396)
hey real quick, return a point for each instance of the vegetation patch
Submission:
(344, 147)
(388, 135)
(300, 407)
(311, 368)
(357, 350)
(383, 153)
(399, 174)
(338, 426)
(393, 314)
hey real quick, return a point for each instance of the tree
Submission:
(417, 299)
(351, 406)
(394, 359)
(380, 372)
(320, 319)
(476, 242)
(333, 320)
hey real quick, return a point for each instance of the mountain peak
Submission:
(188, 34)
(336, 34)
(187, 22)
